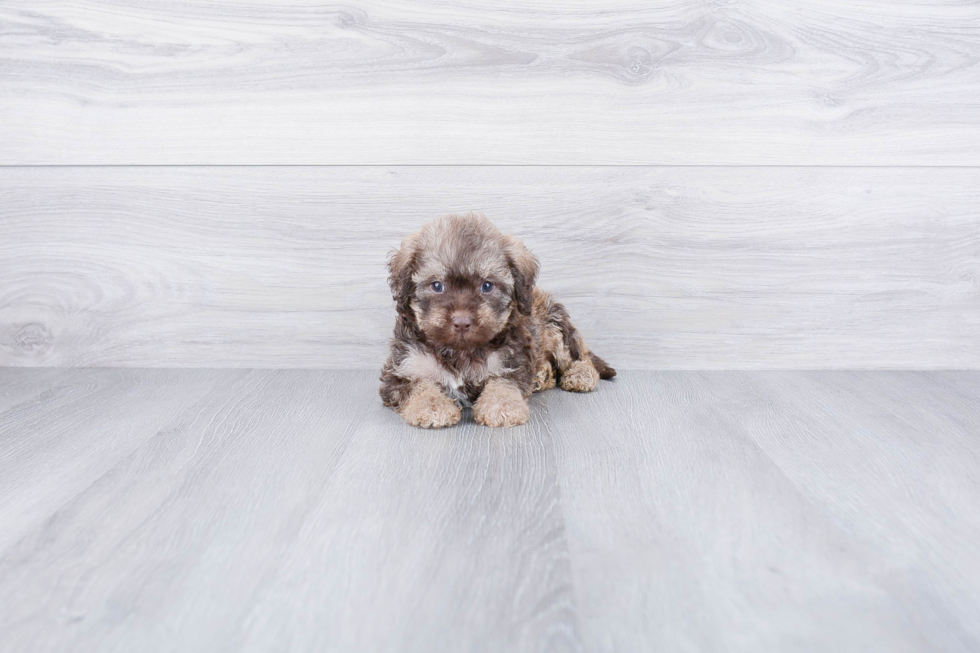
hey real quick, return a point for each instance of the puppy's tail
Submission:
(601, 366)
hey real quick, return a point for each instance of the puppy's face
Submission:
(460, 280)
(461, 307)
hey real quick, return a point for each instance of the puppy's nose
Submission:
(462, 323)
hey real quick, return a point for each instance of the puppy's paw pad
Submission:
(501, 407)
(581, 376)
(431, 411)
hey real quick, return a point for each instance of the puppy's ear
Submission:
(524, 267)
(402, 264)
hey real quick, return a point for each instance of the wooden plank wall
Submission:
(725, 184)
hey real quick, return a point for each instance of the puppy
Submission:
(472, 329)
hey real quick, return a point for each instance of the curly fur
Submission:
(519, 340)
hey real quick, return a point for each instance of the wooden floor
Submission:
(237, 510)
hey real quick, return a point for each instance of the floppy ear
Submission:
(401, 265)
(524, 267)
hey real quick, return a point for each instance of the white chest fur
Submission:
(421, 365)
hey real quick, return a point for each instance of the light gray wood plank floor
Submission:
(229, 510)
(660, 268)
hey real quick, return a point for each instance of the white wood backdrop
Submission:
(804, 196)
(463, 82)
(703, 267)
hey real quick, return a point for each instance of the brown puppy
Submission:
(473, 330)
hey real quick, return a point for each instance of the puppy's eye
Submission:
(437, 286)
(487, 286)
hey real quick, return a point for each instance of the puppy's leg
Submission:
(429, 407)
(580, 376)
(544, 377)
(394, 389)
(501, 404)
(576, 372)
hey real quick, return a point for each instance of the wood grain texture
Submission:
(447, 82)
(469, 517)
(661, 268)
(67, 425)
(18, 385)
(795, 511)
(913, 437)
(288, 510)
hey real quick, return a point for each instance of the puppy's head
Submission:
(460, 280)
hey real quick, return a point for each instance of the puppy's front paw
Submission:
(501, 404)
(581, 376)
(429, 408)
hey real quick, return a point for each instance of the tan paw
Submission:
(544, 378)
(501, 404)
(581, 376)
(429, 408)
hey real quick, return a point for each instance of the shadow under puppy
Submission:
(472, 329)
